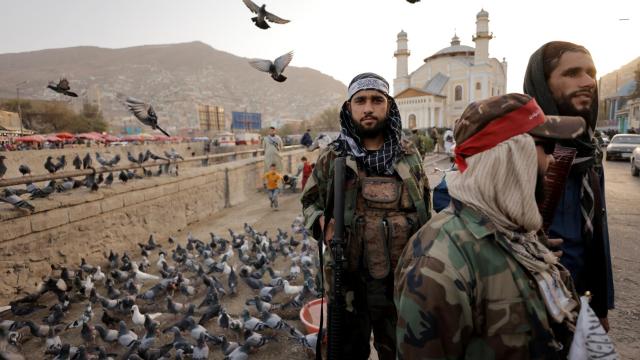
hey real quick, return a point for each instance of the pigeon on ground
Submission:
(62, 162)
(143, 112)
(126, 337)
(263, 15)
(173, 154)
(107, 335)
(201, 350)
(45, 191)
(49, 165)
(123, 176)
(307, 341)
(13, 199)
(77, 162)
(256, 340)
(62, 87)
(132, 158)
(109, 179)
(250, 322)
(24, 170)
(107, 163)
(86, 161)
(3, 167)
(275, 68)
(153, 156)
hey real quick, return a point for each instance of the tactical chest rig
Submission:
(384, 219)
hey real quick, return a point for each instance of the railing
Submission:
(84, 172)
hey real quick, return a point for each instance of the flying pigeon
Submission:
(263, 15)
(143, 112)
(62, 87)
(274, 68)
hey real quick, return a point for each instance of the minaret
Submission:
(481, 38)
(401, 82)
(455, 40)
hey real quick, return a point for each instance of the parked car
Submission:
(621, 146)
(635, 162)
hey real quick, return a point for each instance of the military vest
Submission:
(382, 213)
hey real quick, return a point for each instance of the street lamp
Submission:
(19, 107)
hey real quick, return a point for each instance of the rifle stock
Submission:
(337, 302)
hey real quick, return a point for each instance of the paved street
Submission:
(623, 199)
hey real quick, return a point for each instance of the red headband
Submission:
(503, 128)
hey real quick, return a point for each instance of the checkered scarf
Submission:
(377, 162)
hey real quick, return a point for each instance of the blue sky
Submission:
(338, 37)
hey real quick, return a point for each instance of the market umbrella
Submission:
(65, 135)
(30, 138)
(52, 138)
(90, 136)
(110, 138)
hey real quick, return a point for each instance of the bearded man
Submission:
(477, 282)
(386, 202)
(561, 77)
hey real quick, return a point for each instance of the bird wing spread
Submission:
(138, 108)
(252, 6)
(260, 64)
(283, 61)
(273, 18)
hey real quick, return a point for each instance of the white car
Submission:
(621, 146)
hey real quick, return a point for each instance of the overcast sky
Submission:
(337, 37)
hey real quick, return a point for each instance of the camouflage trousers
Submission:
(370, 308)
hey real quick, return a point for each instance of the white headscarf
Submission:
(500, 184)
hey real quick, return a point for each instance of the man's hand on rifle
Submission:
(328, 235)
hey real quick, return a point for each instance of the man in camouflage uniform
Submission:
(386, 201)
(476, 282)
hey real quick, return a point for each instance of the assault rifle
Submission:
(337, 303)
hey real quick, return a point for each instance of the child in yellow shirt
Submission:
(272, 177)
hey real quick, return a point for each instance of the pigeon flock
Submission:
(92, 181)
(172, 301)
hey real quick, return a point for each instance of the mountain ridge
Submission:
(175, 78)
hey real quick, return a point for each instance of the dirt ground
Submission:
(256, 213)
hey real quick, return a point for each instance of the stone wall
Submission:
(68, 226)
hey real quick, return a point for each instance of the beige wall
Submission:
(68, 226)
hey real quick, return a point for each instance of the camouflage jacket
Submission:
(318, 188)
(461, 295)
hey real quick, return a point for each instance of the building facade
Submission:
(10, 126)
(211, 118)
(438, 91)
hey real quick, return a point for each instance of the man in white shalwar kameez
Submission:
(272, 145)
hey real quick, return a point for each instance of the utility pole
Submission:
(20, 107)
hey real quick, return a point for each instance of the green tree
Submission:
(54, 116)
(327, 120)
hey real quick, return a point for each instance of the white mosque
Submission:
(437, 92)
